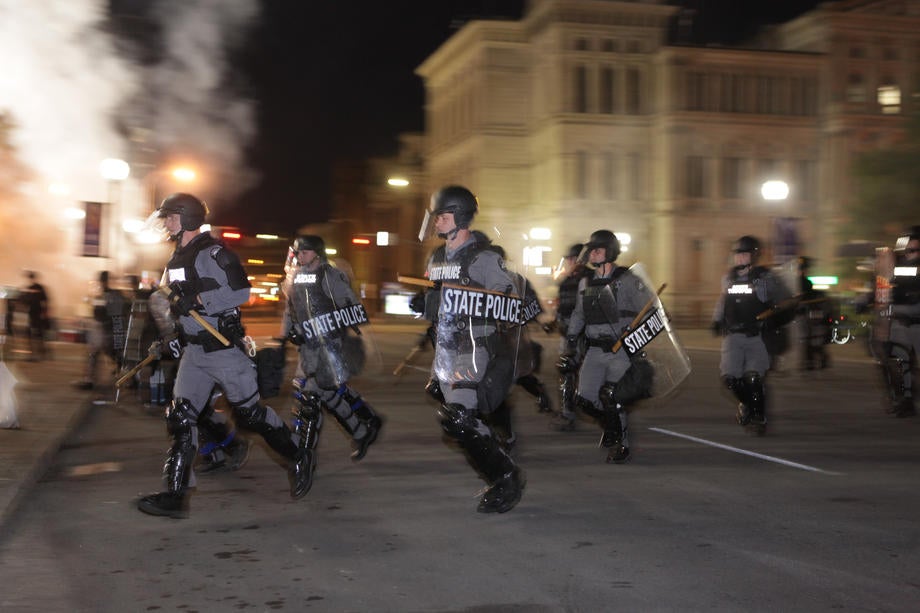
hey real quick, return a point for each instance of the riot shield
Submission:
(479, 334)
(651, 342)
(326, 314)
(881, 322)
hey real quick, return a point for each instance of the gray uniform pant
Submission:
(598, 368)
(741, 354)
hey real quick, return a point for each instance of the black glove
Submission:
(718, 329)
(417, 303)
(296, 336)
(183, 298)
(571, 345)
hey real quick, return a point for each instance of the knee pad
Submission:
(460, 423)
(311, 405)
(588, 407)
(433, 388)
(180, 417)
(735, 386)
(608, 397)
(251, 416)
(753, 387)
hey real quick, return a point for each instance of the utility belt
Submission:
(745, 329)
(605, 343)
(206, 341)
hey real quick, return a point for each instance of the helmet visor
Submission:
(154, 229)
(427, 230)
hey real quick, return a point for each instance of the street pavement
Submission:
(50, 408)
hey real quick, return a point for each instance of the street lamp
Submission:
(774, 190)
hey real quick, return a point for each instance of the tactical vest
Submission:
(742, 306)
(454, 272)
(309, 298)
(184, 257)
(599, 304)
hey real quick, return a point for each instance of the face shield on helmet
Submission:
(190, 209)
(451, 199)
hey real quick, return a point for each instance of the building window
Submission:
(635, 174)
(633, 99)
(731, 177)
(581, 90)
(695, 178)
(806, 180)
(607, 90)
(609, 45)
(609, 179)
(581, 175)
(857, 52)
(581, 44)
(696, 91)
(856, 89)
(889, 99)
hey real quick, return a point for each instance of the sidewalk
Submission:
(49, 408)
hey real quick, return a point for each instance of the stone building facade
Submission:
(584, 114)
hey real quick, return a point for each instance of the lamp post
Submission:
(180, 174)
(115, 171)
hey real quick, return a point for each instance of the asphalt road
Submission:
(819, 515)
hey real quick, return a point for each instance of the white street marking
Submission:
(753, 454)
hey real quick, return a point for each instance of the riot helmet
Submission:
(747, 244)
(450, 199)
(191, 210)
(310, 242)
(305, 242)
(606, 239)
(575, 250)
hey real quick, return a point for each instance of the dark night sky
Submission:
(336, 80)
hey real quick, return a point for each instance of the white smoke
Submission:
(77, 97)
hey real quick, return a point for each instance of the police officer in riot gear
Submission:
(473, 368)
(750, 293)
(905, 323)
(569, 362)
(108, 335)
(207, 279)
(605, 305)
(322, 318)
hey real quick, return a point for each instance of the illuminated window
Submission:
(889, 98)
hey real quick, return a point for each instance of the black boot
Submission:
(166, 504)
(371, 421)
(504, 494)
(308, 419)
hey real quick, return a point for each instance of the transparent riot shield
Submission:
(325, 312)
(653, 344)
(478, 338)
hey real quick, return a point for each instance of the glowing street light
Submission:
(397, 182)
(184, 174)
(774, 190)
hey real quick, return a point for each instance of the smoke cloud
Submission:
(80, 89)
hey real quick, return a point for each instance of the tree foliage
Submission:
(888, 188)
